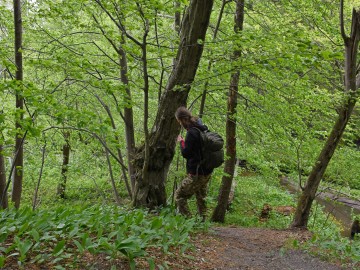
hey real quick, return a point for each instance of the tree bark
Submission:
(17, 188)
(351, 49)
(35, 200)
(229, 167)
(112, 180)
(128, 117)
(65, 164)
(150, 191)
(3, 192)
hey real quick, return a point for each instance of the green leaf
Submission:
(151, 264)
(59, 247)
(2, 261)
(60, 226)
(35, 234)
(74, 232)
(132, 265)
(156, 223)
(3, 237)
(24, 247)
(79, 246)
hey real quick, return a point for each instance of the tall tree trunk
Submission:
(3, 192)
(65, 165)
(17, 188)
(128, 117)
(128, 111)
(229, 168)
(351, 49)
(150, 191)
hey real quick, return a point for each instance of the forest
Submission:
(89, 161)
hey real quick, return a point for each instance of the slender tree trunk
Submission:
(150, 191)
(65, 165)
(117, 139)
(35, 200)
(113, 184)
(229, 168)
(128, 111)
(128, 117)
(351, 49)
(17, 188)
(3, 192)
(177, 21)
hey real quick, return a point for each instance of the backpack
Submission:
(212, 152)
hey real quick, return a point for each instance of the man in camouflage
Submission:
(190, 185)
(197, 177)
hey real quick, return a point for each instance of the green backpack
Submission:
(212, 152)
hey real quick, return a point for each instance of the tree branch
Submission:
(104, 34)
(342, 28)
(95, 136)
(118, 24)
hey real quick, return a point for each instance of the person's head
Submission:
(184, 117)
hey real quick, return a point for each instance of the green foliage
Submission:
(329, 244)
(55, 235)
(251, 193)
(291, 84)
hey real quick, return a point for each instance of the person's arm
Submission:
(181, 140)
(187, 146)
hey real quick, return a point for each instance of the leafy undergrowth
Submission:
(64, 238)
(331, 246)
(104, 237)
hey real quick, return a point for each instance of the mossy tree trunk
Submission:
(65, 165)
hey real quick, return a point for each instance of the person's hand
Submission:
(179, 138)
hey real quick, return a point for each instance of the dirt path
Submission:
(258, 248)
(230, 248)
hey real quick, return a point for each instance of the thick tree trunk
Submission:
(65, 164)
(150, 191)
(3, 192)
(229, 168)
(351, 48)
(17, 188)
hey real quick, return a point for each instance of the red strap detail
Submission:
(182, 143)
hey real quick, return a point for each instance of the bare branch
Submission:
(95, 136)
(342, 28)
(104, 34)
(118, 24)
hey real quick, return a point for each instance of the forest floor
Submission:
(223, 248)
(229, 248)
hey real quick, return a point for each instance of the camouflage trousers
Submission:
(192, 184)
